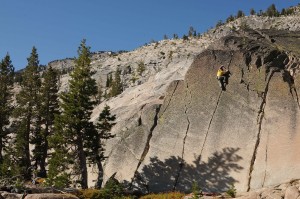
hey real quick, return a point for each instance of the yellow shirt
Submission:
(220, 73)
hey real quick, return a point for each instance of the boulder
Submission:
(7, 195)
(292, 192)
(50, 196)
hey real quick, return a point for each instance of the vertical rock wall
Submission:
(246, 136)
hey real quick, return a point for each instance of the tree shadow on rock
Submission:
(175, 174)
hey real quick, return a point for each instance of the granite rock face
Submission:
(175, 126)
(246, 136)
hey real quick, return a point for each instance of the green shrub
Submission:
(197, 192)
(134, 78)
(231, 191)
(171, 54)
(244, 25)
(112, 190)
(185, 38)
(141, 67)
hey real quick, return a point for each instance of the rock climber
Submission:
(223, 75)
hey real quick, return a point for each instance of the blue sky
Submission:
(56, 27)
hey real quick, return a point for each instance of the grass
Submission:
(169, 195)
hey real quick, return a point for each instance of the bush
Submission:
(141, 67)
(185, 38)
(231, 191)
(112, 190)
(197, 192)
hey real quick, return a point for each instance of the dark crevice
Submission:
(214, 54)
(147, 146)
(181, 164)
(297, 97)
(242, 81)
(231, 53)
(168, 103)
(248, 59)
(258, 62)
(140, 121)
(290, 80)
(259, 123)
(266, 162)
(267, 37)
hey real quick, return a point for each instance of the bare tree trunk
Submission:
(82, 163)
(27, 150)
(1, 148)
(43, 172)
(100, 175)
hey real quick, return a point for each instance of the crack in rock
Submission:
(266, 161)
(147, 146)
(181, 164)
(218, 101)
(168, 104)
(259, 123)
(297, 97)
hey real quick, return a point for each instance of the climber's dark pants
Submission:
(223, 80)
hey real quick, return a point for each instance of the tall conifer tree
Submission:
(117, 86)
(272, 11)
(48, 108)
(6, 86)
(73, 124)
(27, 112)
(95, 142)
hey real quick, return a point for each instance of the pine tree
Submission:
(6, 86)
(272, 11)
(99, 92)
(289, 11)
(252, 11)
(240, 14)
(107, 81)
(102, 132)
(61, 158)
(27, 111)
(219, 23)
(73, 124)
(48, 108)
(185, 38)
(229, 19)
(191, 31)
(117, 86)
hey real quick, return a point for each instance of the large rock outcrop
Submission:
(246, 136)
(192, 130)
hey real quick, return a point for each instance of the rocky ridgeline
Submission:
(163, 57)
(164, 61)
